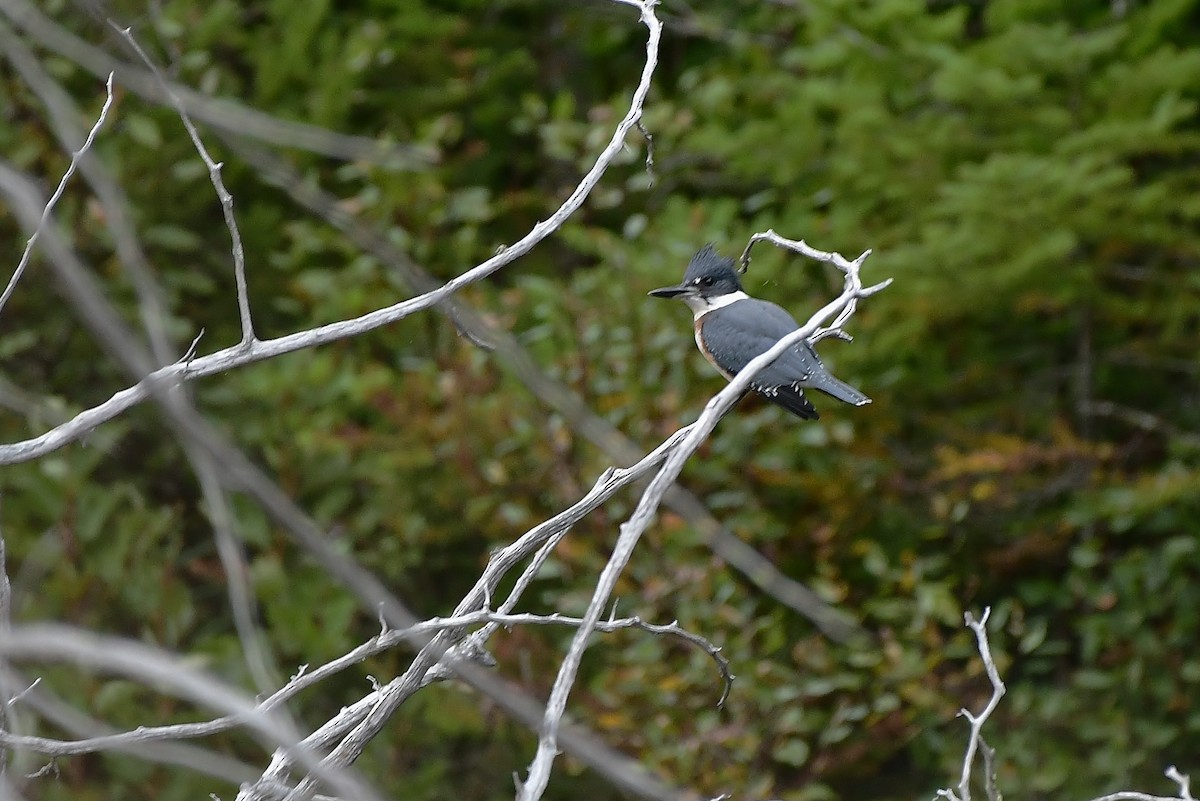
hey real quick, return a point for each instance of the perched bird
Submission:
(732, 328)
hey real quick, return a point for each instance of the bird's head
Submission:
(709, 276)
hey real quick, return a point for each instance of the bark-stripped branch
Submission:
(157, 668)
(975, 738)
(214, 175)
(304, 679)
(631, 531)
(258, 350)
(58, 193)
(39, 700)
(109, 330)
(976, 744)
(223, 113)
(361, 720)
(8, 698)
(509, 351)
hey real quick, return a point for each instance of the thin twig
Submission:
(118, 214)
(5, 622)
(16, 699)
(256, 649)
(975, 739)
(306, 679)
(214, 175)
(1133, 795)
(58, 192)
(1144, 421)
(797, 245)
(989, 771)
(63, 716)
(649, 137)
(225, 113)
(158, 668)
(672, 629)
(190, 353)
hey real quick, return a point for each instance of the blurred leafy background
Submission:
(1027, 170)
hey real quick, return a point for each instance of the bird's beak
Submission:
(669, 292)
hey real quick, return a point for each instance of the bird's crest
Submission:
(707, 262)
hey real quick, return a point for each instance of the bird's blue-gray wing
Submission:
(737, 333)
(750, 327)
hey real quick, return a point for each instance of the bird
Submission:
(732, 328)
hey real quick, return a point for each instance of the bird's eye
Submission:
(705, 281)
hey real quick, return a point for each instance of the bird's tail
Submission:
(838, 389)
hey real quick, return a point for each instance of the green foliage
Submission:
(1025, 169)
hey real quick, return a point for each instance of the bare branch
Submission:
(58, 193)
(797, 245)
(239, 585)
(258, 350)
(649, 137)
(672, 629)
(394, 693)
(306, 679)
(1183, 780)
(16, 699)
(118, 217)
(223, 113)
(1144, 421)
(190, 353)
(214, 175)
(58, 713)
(157, 668)
(989, 771)
(509, 351)
(632, 529)
(1133, 795)
(975, 739)
(6, 701)
(364, 719)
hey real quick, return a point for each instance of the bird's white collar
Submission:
(702, 306)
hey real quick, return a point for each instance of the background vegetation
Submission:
(1027, 170)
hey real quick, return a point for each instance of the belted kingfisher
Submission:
(732, 328)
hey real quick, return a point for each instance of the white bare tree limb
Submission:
(223, 113)
(238, 581)
(214, 175)
(259, 350)
(118, 217)
(41, 702)
(975, 741)
(1184, 782)
(631, 531)
(977, 721)
(363, 720)
(8, 699)
(305, 679)
(157, 668)
(509, 351)
(48, 209)
(121, 344)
